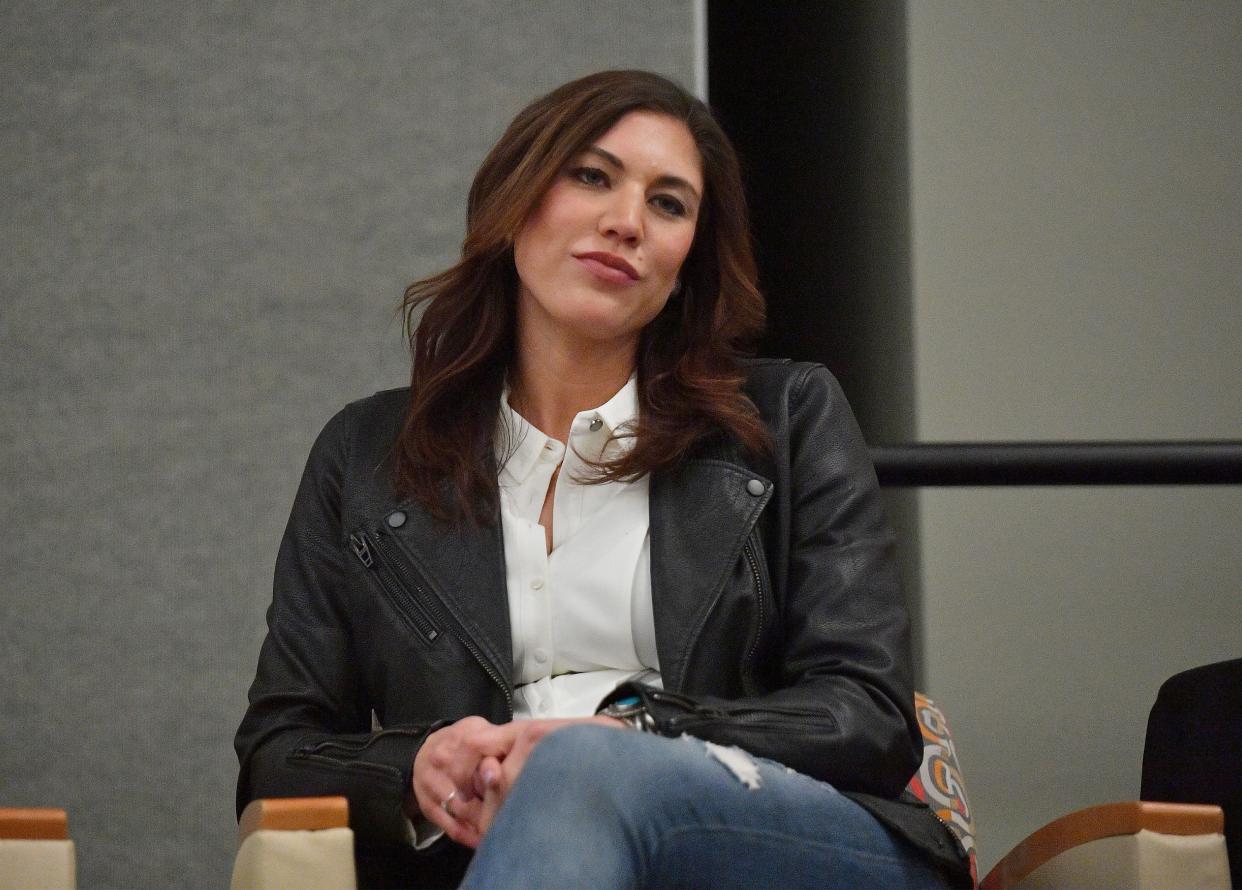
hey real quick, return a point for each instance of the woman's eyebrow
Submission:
(666, 181)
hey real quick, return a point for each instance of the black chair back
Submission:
(1193, 752)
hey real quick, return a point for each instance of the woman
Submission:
(588, 528)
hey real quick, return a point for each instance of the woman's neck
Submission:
(552, 382)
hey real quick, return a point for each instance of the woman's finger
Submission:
(450, 756)
(489, 806)
(486, 776)
(458, 752)
(529, 735)
(457, 818)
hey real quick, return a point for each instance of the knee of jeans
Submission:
(586, 749)
(610, 762)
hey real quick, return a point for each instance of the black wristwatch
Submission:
(631, 711)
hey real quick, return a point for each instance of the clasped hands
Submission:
(463, 772)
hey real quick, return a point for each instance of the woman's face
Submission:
(600, 254)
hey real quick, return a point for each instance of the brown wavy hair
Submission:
(461, 322)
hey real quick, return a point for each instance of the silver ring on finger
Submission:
(446, 804)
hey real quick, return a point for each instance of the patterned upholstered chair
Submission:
(938, 783)
(1127, 845)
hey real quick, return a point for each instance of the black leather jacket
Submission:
(779, 621)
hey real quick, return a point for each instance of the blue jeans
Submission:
(603, 808)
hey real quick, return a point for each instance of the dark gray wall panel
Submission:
(209, 212)
(814, 97)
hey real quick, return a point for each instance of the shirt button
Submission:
(755, 487)
(596, 424)
(537, 584)
(396, 519)
(541, 656)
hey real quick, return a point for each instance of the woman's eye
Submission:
(670, 205)
(590, 176)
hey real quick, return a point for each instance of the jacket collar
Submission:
(464, 564)
(701, 516)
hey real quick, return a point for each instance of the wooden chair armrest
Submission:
(1094, 823)
(293, 814)
(33, 824)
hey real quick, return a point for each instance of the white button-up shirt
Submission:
(580, 615)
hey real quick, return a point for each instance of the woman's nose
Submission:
(623, 218)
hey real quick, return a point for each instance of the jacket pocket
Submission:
(403, 594)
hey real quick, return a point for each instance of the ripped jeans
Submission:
(601, 808)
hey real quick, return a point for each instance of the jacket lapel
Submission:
(701, 515)
(465, 567)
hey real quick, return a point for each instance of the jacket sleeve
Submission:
(307, 731)
(840, 708)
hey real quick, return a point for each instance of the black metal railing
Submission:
(1059, 463)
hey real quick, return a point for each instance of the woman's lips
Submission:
(608, 267)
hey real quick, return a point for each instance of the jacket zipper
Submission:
(474, 651)
(337, 755)
(358, 766)
(963, 855)
(755, 718)
(751, 560)
(775, 718)
(368, 550)
(947, 826)
(357, 746)
(694, 635)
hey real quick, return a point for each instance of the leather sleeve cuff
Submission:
(667, 709)
(373, 771)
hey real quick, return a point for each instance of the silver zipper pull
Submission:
(361, 550)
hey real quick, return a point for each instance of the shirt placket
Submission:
(539, 587)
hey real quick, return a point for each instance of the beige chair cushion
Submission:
(1143, 861)
(270, 859)
(48, 865)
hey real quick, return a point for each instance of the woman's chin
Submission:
(601, 328)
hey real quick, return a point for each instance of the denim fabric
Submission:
(601, 808)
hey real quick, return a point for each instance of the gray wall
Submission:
(209, 213)
(1077, 226)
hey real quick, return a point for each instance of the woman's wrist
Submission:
(630, 711)
(614, 722)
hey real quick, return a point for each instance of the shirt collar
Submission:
(518, 444)
(618, 415)
(524, 444)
